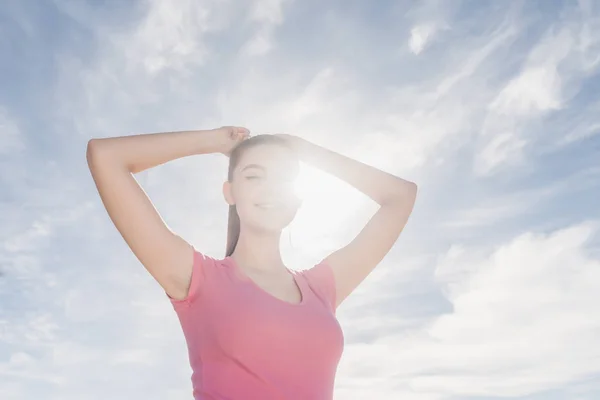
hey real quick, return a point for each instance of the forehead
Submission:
(270, 156)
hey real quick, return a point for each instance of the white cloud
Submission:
(537, 89)
(170, 35)
(550, 78)
(136, 68)
(430, 17)
(421, 36)
(421, 125)
(268, 11)
(524, 319)
(267, 15)
(581, 124)
(260, 43)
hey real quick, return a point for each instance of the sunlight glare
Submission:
(327, 203)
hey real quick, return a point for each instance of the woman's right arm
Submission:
(113, 161)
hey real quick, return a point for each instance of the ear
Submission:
(228, 193)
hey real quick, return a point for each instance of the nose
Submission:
(278, 189)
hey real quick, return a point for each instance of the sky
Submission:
(492, 290)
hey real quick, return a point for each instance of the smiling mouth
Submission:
(267, 206)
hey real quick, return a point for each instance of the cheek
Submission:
(244, 202)
(241, 193)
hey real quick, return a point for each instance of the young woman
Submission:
(254, 328)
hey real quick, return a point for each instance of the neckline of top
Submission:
(238, 270)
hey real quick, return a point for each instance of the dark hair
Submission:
(233, 223)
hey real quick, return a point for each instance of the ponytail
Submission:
(233, 230)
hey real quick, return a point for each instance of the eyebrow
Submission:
(253, 166)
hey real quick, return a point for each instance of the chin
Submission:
(272, 223)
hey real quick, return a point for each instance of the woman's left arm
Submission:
(395, 196)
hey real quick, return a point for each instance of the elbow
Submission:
(409, 193)
(91, 151)
(92, 146)
(95, 152)
(101, 152)
(405, 194)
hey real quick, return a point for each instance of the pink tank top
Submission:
(244, 343)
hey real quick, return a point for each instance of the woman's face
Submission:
(263, 187)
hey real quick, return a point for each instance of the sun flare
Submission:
(327, 203)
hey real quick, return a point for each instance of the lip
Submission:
(268, 205)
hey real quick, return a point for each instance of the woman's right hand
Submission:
(231, 136)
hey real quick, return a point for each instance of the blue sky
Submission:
(492, 290)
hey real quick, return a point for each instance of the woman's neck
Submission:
(258, 252)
